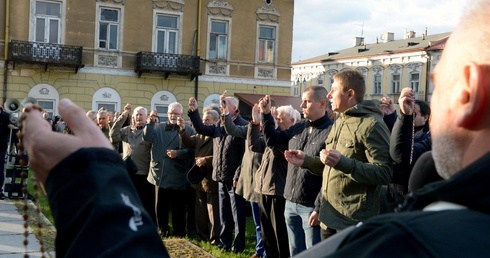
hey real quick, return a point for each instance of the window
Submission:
(218, 40)
(377, 84)
(48, 106)
(319, 79)
(167, 31)
(267, 37)
(110, 106)
(414, 81)
(162, 113)
(109, 29)
(395, 81)
(47, 22)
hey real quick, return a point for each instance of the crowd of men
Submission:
(321, 181)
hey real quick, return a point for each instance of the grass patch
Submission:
(176, 247)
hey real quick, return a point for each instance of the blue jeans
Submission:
(301, 235)
(259, 247)
(232, 216)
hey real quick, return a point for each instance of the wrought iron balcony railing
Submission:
(45, 53)
(167, 63)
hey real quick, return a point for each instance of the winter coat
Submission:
(271, 175)
(227, 149)
(424, 228)
(203, 147)
(302, 186)
(134, 147)
(165, 172)
(245, 178)
(93, 199)
(351, 190)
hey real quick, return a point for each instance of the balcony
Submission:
(167, 64)
(46, 54)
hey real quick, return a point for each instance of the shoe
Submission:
(2, 196)
(215, 242)
(224, 247)
(255, 256)
(237, 251)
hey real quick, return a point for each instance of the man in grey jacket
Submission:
(136, 150)
(170, 162)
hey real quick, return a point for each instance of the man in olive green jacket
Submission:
(355, 162)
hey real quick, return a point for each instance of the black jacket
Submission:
(401, 150)
(444, 233)
(302, 186)
(96, 209)
(227, 150)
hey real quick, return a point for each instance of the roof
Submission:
(375, 49)
(250, 99)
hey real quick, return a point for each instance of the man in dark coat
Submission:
(228, 154)
(5, 134)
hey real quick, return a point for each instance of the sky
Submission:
(322, 26)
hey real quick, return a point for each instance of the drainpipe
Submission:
(427, 76)
(198, 46)
(6, 48)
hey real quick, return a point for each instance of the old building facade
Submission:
(388, 65)
(106, 53)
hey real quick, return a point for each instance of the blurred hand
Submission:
(200, 161)
(313, 220)
(172, 154)
(153, 117)
(407, 101)
(127, 107)
(387, 106)
(330, 157)
(46, 148)
(181, 123)
(256, 116)
(192, 104)
(295, 157)
(265, 105)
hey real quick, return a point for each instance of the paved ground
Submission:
(12, 233)
(12, 238)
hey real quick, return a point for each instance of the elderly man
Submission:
(228, 154)
(356, 160)
(136, 150)
(207, 202)
(169, 163)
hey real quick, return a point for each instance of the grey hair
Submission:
(175, 105)
(145, 111)
(290, 111)
(213, 113)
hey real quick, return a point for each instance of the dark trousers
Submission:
(274, 231)
(207, 216)
(146, 192)
(190, 204)
(232, 215)
(326, 233)
(3, 152)
(167, 199)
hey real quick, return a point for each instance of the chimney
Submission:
(358, 41)
(387, 37)
(410, 34)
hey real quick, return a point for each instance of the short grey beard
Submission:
(447, 156)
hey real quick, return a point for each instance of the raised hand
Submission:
(46, 148)
(407, 101)
(256, 116)
(265, 105)
(192, 104)
(387, 106)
